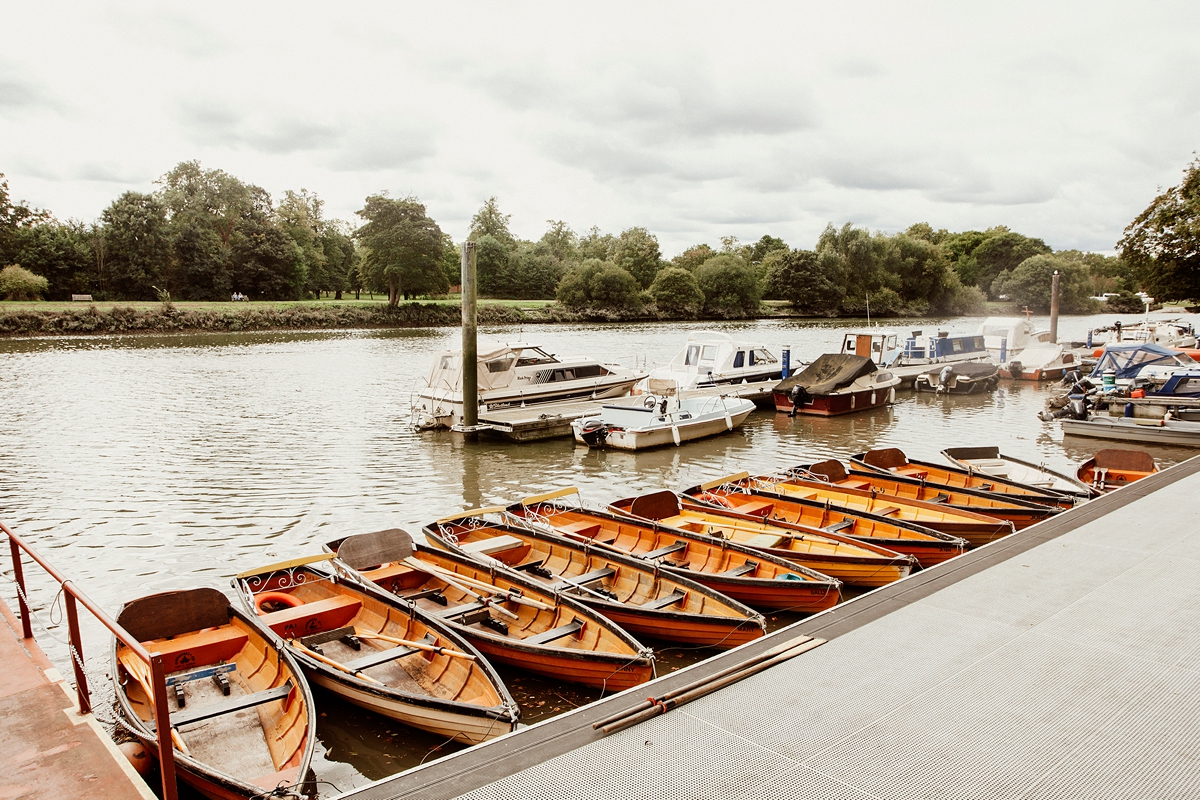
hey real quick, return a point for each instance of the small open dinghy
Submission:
(374, 651)
(991, 461)
(661, 419)
(509, 618)
(241, 712)
(1113, 468)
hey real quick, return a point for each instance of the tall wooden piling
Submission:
(470, 347)
(1054, 307)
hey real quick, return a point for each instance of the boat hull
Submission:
(646, 438)
(831, 405)
(1115, 428)
(610, 672)
(715, 632)
(993, 462)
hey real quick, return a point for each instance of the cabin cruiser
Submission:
(710, 358)
(1152, 362)
(919, 352)
(1167, 332)
(514, 375)
(1023, 352)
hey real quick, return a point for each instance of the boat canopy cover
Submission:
(829, 373)
(1128, 360)
(965, 369)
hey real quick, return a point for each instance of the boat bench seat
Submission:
(190, 715)
(200, 648)
(736, 572)
(665, 551)
(583, 528)
(494, 544)
(390, 654)
(764, 540)
(467, 614)
(667, 600)
(585, 579)
(839, 526)
(756, 509)
(886, 512)
(554, 634)
(308, 618)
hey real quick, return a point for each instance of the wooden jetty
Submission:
(536, 421)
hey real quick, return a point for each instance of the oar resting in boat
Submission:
(379, 653)
(553, 635)
(755, 578)
(217, 663)
(640, 598)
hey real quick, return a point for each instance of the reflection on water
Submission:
(139, 464)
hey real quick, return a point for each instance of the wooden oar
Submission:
(491, 588)
(705, 686)
(433, 648)
(179, 745)
(335, 664)
(442, 575)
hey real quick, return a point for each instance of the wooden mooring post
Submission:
(1054, 308)
(470, 346)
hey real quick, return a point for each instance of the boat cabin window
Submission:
(447, 362)
(957, 345)
(739, 359)
(563, 375)
(499, 364)
(693, 355)
(534, 355)
(709, 354)
(1187, 386)
(761, 357)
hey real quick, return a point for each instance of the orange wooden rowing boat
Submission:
(1113, 468)
(757, 579)
(515, 621)
(892, 461)
(639, 598)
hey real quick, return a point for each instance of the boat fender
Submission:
(675, 434)
(283, 599)
(891, 395)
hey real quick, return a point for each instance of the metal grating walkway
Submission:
(1062, 662)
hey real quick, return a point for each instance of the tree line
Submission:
(204, 234)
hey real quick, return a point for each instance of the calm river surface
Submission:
(138, 464)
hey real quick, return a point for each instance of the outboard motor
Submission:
(800, 397)
(594, 432)
(1078, 408)
(944, 378)
(1014, 369)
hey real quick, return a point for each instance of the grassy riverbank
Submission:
(57, 318)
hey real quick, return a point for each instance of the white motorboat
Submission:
(1166, 332)
(918, 353)
(711, 358)
(661, 419)
(1163, 431)
(959, 378)
(515, 375)
(1023, 352)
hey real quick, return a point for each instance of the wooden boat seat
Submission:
(199, 674)
(390, 654)
(941, 498)
(755, 509)
(839, 526)
(665, 551)
(495, 544)
(669, 600)
(736, 572)
(320, 615)
(886, 512)
(190, 715)
(585, 579)
(852, 484)
(554, 634)
(199, 648)
(467, 614)
(764, 540)
(582, 527)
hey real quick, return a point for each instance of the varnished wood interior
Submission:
(916, 490)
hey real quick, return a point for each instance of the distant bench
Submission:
(81, 298)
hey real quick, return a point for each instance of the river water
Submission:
(138, 464)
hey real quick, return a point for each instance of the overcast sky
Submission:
(694, 120)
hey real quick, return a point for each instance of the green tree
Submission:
(137, 241)
(730, 286)
(61, 252)
(693, 257)
(492, 269)
(597, 245)
(562, 241)
(637, 253)
(300, 216)
(489, 221)
(765, 246)
(849, 253)
(1030, 284)
(266, 263)
(1163, 243)
(1001, 251)
(599, 286)
(17, 283)
(404, 247)
(15, 221)
(807, 281)
(676, 293)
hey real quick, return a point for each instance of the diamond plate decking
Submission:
(1060, 662)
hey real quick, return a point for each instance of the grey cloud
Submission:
(218, 124)
(17, 93)
(380, 150)
(107, 173)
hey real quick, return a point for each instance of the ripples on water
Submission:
(140, 464)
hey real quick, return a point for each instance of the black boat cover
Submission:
(828, 373)
(972, 370)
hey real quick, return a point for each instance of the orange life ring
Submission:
(289, 600)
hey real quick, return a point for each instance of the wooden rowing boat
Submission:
(754, 578)
(516, 622)
(977, 529)
(927, 546)
(1113, 468)
(991, 461)
(892, 461)
(378, 653)
(1010, 508)
(241, 712)
(850, 560)
(639, 598)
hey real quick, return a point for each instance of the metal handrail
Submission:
(158, 678)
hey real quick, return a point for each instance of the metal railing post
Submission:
(162, 722)
(81, 684)
(19, 576)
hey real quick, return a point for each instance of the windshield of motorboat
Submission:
(534, 355)
(1127, 362)
(693, 355)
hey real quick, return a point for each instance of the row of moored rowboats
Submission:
(410, 629)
